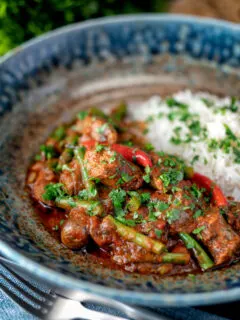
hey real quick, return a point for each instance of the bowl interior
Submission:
(100, 64)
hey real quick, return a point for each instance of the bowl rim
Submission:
(138, 297)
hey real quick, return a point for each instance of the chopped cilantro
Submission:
(127, 143)
(147, 176)
(118, 197)
(195, 159)
(176, 202)
(160, 205)
(37, 157)
(113, 157)
(160, 115)
(149, 119)
(195, 128)
(124, 178)
(160, 153)
(198, 213)
(172, 176)
(222, 211)
(148, 147)
(172, 215)
(145, 197)
(233, 106)
(198, 230)
(176, 140)
(208, 103)
(229, 133)
(96, 180)
(59, 134)
(169, 162)
(192, 206)
(82, 114)
(102, 128)
(100, 147)
(195, 191)
(236, 152)
(53, 191)
(213, 145)
(186, 196)
(158, 233)
(171, 102)
(61, 222)
(48, 151)
(86, 194)
(145, 131)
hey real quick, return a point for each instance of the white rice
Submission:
(219, 166)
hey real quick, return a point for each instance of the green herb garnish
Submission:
(198, 230)
(82, 114)
(147, 176)
(172, 176)
(53, 191)
(48, 151)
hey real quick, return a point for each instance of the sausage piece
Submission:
(74, 233)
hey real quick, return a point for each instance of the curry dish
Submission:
(103, 189)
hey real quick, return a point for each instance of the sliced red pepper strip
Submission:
(133, 155)
(217, 195)
(130, 154)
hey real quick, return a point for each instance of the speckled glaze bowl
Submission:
(100, 62)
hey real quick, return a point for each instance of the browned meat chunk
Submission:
(182, 209)
(99, 130)
(74, 232)
(101, 231)
(221, 241)
(233, 216)
(71, 178)
(103, 192)
(43, 176)
(165, 173)
(113, 170)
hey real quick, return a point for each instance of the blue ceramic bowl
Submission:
(100, 62)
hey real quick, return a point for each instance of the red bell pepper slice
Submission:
(133, 155)
(217, 195)
(130, 154)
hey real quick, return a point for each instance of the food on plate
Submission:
(101, 186)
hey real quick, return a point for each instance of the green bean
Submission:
(140, 239)
(204, 260)
(89, 184)
(176, 258)
(93, 208)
